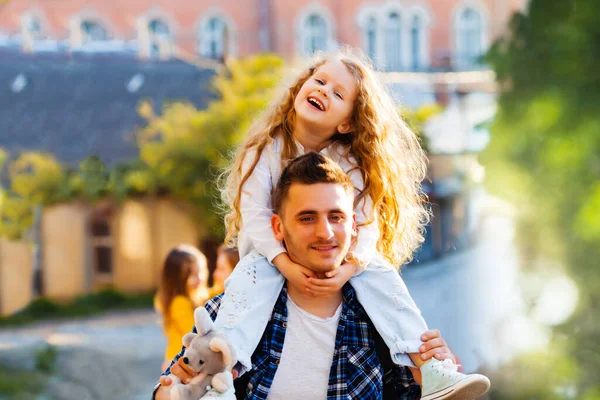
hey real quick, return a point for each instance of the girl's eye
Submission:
(319, 81)
(339, 95)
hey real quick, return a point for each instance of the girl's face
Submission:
(326, 100)
(198, 275)
(222, 270)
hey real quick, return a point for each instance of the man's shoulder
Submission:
(213, 305)
(351, 300)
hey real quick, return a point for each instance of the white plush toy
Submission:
(210, 354)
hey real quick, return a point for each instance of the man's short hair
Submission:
(309, 169)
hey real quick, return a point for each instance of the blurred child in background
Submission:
(227, 259)
(183, 287)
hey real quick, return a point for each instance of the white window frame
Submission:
(458, 60)
(147, 39)
(364, 17)
(385, 10)
(314, 9)
(28, 37)
(401, 59)
(87, 39)
(76, 34)
(228, 43)
(424, 49)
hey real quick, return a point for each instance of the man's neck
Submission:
(322, 307)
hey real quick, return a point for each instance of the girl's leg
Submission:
(250, 295)
(384, 296)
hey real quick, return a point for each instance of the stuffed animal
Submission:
(210, 354)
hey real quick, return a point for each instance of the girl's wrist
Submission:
(282, 263)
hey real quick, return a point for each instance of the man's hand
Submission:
(334, 281)
(163, 392)
(180, 370)
(434, 346)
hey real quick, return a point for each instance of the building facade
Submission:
(407, 35)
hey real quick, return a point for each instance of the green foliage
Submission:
(536, 376)
(544, 155)
(35, 179)
(45, 359)
(416, 119)
(182, 151)
(82, 306)
(17, 384)
(185, 149)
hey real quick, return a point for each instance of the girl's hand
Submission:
(297, 275)
(335, 280)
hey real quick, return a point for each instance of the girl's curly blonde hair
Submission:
(387, 151)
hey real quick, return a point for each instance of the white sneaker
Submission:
(441, 380)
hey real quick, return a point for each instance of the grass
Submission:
(83, 306)
(45, 359)
(19, 384)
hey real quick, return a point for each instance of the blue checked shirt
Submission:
(356, 372)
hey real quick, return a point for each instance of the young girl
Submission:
(336, 107)
(183, 287)
(227, 259)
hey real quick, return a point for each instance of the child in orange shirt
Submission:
(183, 287)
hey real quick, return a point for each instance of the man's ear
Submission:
(277, 226)
(345, 127)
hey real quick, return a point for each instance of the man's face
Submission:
(317, 224)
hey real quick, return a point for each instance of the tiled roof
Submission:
(79, 105)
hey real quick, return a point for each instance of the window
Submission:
(469, 38)
(102, 246)
(315, 31)
(92, 31)
(214, 39)
(371, 38)
(393, 42)
(31, 27)
(159, 39)
(416, 43)
(31, 32)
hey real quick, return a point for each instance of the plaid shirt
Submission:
(356, 372)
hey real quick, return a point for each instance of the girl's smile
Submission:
(324, 104)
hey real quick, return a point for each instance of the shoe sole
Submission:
(470, 388)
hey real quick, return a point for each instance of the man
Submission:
(324, 347)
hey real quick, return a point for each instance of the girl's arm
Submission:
(255, 206)
(256, 210)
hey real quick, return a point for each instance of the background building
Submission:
(417, 35)
(72, 74)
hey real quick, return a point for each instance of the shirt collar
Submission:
(351, 304)
(302, 150)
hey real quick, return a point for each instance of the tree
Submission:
(544, 156)
(185, 148)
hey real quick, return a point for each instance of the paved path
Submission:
(112, 356)
(474, 296)
(471, 297)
